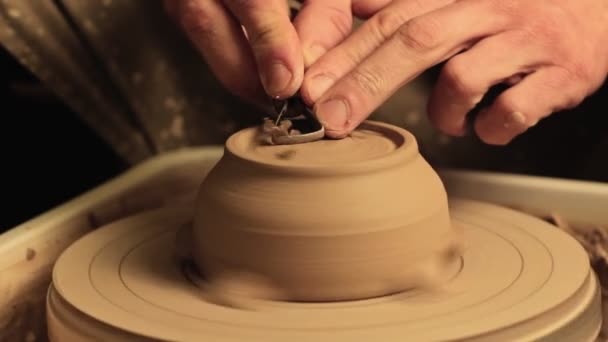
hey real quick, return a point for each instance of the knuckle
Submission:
(245, 5)
(196, 17)
(372, 83)
(543, 31)
(547, 28)
(566, 79)
(354, 56)
(264, 34)
(524, 36)
(548, 22)
(579, 71)
(419, 35)
(455, 76)
(386, 22)
(265, 25)
(517, 39)
(559, 79)
(341, 20)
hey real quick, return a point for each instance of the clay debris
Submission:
(272, 130)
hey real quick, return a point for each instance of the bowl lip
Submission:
(405, 151)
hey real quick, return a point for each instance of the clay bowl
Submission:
(324, 221)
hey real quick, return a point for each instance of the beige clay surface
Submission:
(327, 239)
(519, 279)
(173, 178)
(359, 217)
(365, 144)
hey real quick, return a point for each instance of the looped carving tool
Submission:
(292, 123)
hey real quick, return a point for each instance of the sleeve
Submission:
(126, 70)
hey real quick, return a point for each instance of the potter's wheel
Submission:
(520, 279)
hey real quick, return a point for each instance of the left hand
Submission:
(254, 49)
(554, 53)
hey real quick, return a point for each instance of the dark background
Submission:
(48, 155)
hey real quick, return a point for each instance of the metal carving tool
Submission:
(293, 123)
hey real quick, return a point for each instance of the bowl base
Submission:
(520, 279)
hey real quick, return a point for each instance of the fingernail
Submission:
(333, 114)
(318, 86)
(276, 78)
(312, 53)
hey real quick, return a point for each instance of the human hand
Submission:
(554, 53)
(254, 48)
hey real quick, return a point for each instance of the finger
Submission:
(367, 8)
(220, 40)
(467, 77)
(274, 42)
(361, 43)
(539, 94)
(416, 46)
(321, 25)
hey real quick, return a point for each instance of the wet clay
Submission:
(518, 279)
(362, 145)
(328, 220)
(349, 240)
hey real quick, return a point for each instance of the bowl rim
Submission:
(406, 150)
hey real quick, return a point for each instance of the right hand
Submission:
(270, 58)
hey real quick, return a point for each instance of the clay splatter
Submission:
(30, 254)
(286, 155)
